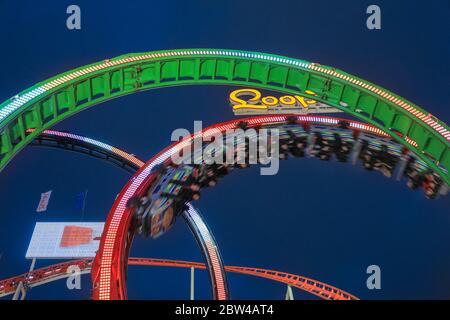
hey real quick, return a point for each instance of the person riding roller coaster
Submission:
(208, 176)
(367, 155)
(212, 173)
(322, 148)
(431, 184)
(380, 160)
(178, 185)
(294, 144)
(341, 148)
(428, 180)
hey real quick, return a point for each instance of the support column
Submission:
(192, 283)
(21, 290)
(289, 293)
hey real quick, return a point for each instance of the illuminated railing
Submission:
(120, 153)
(22, 99)
(53, 100)
(59, 271)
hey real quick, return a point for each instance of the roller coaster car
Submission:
(432, 184)
(210, 174)
(429, 181)
(415, 180)
(380, 160)
(168, 198)
(284, 148)
(322, 147)
(385, 162)
(296, 144)
(342, 148)
(367, 155)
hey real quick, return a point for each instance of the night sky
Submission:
(327, 221)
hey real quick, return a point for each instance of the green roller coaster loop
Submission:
(57, 98)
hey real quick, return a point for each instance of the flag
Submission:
(80, 200)
(43, 203)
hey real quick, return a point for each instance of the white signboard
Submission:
(65, 240)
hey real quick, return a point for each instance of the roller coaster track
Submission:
(61, 96)
(59, 271)
(108, 273)
(129, 162)
(88, 146)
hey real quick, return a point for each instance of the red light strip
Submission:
(115, 228)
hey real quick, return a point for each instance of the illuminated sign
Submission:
(65, 240)
(251, 101)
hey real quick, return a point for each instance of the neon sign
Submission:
(251, 101)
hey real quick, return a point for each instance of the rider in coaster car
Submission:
(187, 195)
(341, 148)
(415, 179)
(296, 144)
(241, 156)
(384, 162)
(431, 184)
(322, 147)
(367, 155)
(316, 144)
(211, 174)
(191, 183)
(284, 148)
(251, 155)
(209, 178)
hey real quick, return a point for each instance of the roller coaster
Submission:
(395, 138)
(129, 162)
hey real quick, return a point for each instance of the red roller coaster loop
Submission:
(109, 266)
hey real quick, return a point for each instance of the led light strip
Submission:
(387, 96)
(105, 267)
(212, 252)
(19, 101)
(99, 144)
(136, 182)
(220, 291)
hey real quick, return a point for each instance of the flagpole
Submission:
(84, 204)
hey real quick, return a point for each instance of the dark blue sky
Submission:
(326, 221)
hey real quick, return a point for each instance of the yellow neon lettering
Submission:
(287, 100)
(302, 101)
(310, 101)
(239, 103)
(254, 100)
(269, 101)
